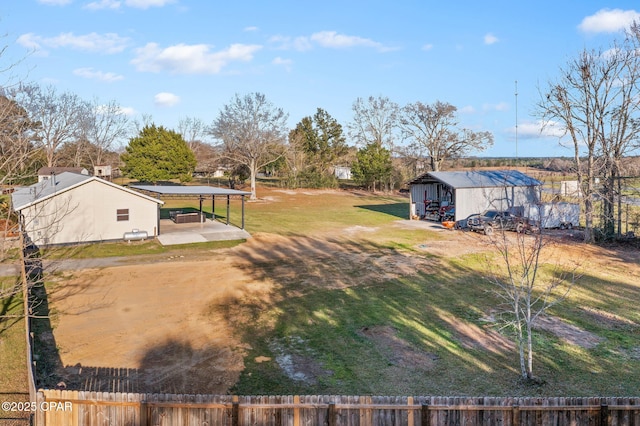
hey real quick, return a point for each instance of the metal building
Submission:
(470, 192)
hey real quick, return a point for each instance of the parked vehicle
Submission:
(491, 220)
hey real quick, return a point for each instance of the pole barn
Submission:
(470, 192)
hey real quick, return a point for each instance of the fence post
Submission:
(604, 415)
(144, 413)
(296, 411)
(515, 415)
(235, 413)
(425, 416)
(331, 414)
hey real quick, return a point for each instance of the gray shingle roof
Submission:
(24, 197)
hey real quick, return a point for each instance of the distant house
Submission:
(74, 208)
(342, 172)
(103, 172)
(46, 172)
(470, 192)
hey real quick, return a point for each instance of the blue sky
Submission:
(173, 59)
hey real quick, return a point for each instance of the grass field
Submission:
(13, 372)
(361, 305)
(361, 339)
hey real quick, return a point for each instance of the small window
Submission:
(122, 215)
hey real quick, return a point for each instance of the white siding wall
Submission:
(475, 200)
(88, 213)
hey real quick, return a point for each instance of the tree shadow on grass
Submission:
(399, 210)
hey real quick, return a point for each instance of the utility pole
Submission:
(516, 122)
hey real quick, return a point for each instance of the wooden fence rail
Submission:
(98, 408)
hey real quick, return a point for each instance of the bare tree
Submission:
(594, 101)
(434, 128)
(193, 131)
(18, 151)
(252, 132)
(61, 117)
(106, 124)
(526, 291)
(374, 121)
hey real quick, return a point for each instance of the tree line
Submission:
(44, 127)
(593, 103)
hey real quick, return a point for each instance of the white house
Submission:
(73, 208)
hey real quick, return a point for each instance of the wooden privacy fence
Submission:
(64, 408)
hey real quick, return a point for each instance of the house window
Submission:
(122, 215)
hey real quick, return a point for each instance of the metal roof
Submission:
(26, 196)
(188, 190)
(478, 178)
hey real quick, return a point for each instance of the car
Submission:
(491, 220)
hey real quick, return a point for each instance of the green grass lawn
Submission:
(13, 371)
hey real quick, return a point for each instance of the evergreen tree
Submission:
(158, 154)
(372, 166)
(321, 140)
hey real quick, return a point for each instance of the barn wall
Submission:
(476, 200)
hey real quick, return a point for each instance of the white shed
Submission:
(73, 208)
(470, 192)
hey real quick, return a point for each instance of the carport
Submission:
(202, 193)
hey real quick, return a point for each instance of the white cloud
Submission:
(467, 110)
(326, 39)
(300, 44)
(250, 29)
(332, 39)
(55, 2)
(609, 21)
(30, 41)
(128, 111)
(166, 99)
(92, 74)
(538, 129)
(286, 63)
(427, 47)
(190, 59)
(103, 4)
(103, 43)
(502, 106)
(490, 39)
(145, 4)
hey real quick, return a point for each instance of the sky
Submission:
(177, 59)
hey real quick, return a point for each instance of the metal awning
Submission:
(201, 192)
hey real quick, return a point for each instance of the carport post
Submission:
(213, 207)
(228, 202)
(201, 210)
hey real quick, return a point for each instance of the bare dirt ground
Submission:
(161, 327)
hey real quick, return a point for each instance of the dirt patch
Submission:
(315, 262)
(297, 361)
(472, 336)
(399, 352)
(568, 332)
(160, 323)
